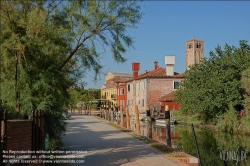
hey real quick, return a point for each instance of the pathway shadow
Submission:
(108, 147)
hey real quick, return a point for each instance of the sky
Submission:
(167, 25)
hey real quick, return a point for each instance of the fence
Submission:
(22, 134)
(38, 135)
(3, 132)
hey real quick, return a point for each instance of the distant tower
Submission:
(194, 52)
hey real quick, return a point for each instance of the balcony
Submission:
(113, 96)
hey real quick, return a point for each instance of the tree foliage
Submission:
(211, 86)
(53, 42)
(246, 86)
(46, 46)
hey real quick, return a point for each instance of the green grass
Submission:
(180, 117)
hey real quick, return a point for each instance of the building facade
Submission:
(110, 92)
(149, 87)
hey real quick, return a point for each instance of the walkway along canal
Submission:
(104, 145)
(216, 148)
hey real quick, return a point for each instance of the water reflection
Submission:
(216, 148)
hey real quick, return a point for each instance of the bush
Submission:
(94, 106)
(228, 121)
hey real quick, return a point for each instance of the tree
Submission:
(99, 22)
(246, 86)
(210, 87)
(47, 45)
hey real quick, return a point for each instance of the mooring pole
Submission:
(149, 122)
(168, 135)
(121, 115)
(137, 121)
(196, 145)
(127, 118)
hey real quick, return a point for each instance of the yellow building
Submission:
(109, 88)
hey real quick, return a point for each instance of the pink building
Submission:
(147, 88)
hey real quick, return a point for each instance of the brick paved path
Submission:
(106, 145)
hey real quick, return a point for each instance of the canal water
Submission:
(215, 148)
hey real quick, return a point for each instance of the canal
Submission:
(215, 148)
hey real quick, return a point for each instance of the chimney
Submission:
(135, 68)
(155, 65)
(169, 62)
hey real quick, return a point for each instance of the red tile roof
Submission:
(158, 73)
(111, 83)
(168, 97)
(118, 79)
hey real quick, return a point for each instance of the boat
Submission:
(162, 122)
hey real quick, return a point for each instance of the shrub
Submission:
(228, 121)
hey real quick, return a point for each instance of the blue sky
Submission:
(167, 25)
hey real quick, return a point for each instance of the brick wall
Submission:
(148, 92)
(19, 134)
(159, 87)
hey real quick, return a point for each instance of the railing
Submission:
(104, 97)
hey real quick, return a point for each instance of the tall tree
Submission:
(46, 46)
(98, 25)
(211, 86)
(246, 86)
(53, 40)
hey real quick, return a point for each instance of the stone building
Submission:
(194, 52)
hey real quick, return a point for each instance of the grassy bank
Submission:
(164, 148)
(228, 122)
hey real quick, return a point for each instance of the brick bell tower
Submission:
(194, 52)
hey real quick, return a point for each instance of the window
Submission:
(128, 87)
(198, 45)
(142, 85)
(143, 102)
(190, 46)
(121, 102)
(122, 91)
(176, 84)
(128, 102)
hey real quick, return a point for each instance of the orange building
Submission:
(121, 95)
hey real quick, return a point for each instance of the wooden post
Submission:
(112, 114)
(121, 115)
(167, 116)
(127, 118)
(109, 111)
(89, 110)
(149, 122)
(105, 114)
(5, 139)
(137, 121)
